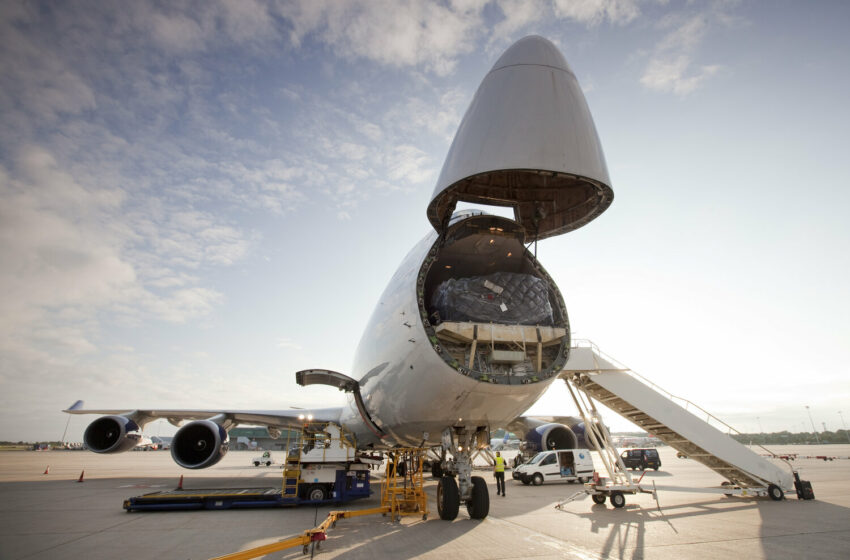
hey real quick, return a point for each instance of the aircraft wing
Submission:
(274, 418)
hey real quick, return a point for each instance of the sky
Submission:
(198, 199)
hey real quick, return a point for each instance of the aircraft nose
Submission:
(527, 141)
(535, 50)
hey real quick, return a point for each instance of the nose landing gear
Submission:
(467, 489)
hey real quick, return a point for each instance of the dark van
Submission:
(641, 459)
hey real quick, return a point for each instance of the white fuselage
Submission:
(527, 142)
(408, 389)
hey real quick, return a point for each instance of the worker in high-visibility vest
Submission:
(499, 471)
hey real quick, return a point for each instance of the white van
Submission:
(569, 465)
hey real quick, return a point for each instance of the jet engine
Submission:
(199, 444)
(112, 434)
(552, 436)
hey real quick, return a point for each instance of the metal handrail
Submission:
(579, 343)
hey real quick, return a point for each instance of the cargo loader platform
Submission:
(350, 485)
(209, 498)
(322, 468)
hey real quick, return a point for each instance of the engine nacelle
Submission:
(112, 434)
(552, 436)
(199, 444)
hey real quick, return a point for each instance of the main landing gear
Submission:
(468, 489)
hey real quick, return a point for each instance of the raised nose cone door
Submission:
(527, 141)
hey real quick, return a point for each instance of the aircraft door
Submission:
(566, 464)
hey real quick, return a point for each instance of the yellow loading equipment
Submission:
(402, 494)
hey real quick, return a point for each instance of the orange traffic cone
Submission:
(47, 470)
(180, 484)
(81, 476)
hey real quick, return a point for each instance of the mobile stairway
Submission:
(685, 427)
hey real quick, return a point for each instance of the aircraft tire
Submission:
(617, 499)
(478, 505)
(598, 498)
(448, 498)
(437, 469)
(775, 492)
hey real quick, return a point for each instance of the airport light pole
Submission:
(846, 433)
(759, 421)
(817, 439)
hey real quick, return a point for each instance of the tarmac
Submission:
(54, 516)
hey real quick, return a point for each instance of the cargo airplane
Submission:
(471, 330)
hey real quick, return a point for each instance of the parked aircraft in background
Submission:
(471, 330)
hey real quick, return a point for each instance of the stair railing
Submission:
(690, 406)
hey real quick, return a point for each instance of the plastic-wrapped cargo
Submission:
(501, 297)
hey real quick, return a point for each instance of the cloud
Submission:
(33, 81)
(671, 66)
(53, 250)
(517, 15)
(177, 32)
(397, 33)
(409, 164)
(179, 27)
(72, 251)
(676, 75)
(594, 12)
(288, 344)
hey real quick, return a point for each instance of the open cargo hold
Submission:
(488, 305)
(500, 297)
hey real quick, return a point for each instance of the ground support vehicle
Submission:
(326, 469)
(641, 459)
(264, 459)
(566, 465)
(685, 427)
(402, 494)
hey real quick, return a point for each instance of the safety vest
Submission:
(500, 464)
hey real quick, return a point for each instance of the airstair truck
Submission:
(675, 421)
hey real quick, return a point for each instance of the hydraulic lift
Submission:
(325, 468)
(402, 494)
